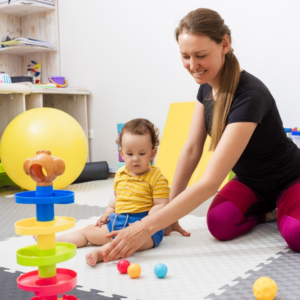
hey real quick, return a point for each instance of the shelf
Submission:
(23, 50)
(6, 88)
(60, 91)
(21, 9)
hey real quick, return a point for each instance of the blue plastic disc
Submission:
(160, 270)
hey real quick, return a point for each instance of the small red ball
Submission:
(123, 265)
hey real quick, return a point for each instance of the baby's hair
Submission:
(140, 127)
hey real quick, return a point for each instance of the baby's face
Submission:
(137, 152)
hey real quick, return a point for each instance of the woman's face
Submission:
(203, 57)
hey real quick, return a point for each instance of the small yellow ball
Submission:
(134, 270)
(265, 288)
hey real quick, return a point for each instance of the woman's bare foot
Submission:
(93, 257)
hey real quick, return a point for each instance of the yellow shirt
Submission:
(135, 193)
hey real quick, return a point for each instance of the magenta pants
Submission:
(236, 209)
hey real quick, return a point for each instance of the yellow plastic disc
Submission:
(31, 226)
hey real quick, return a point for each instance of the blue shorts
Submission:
(118, 222)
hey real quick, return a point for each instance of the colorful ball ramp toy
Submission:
(47, 282)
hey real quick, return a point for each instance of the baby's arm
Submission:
(110, 209)
(158, 204)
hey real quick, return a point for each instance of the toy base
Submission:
(30, 282)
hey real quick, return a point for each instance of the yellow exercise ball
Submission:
(38, 129)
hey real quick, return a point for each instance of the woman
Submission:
(247, 135)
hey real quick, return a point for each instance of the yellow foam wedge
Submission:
(174, 136)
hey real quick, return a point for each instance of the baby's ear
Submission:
(154, 152)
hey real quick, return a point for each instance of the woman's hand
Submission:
(175, 227)
(102, 220)
(126, 241)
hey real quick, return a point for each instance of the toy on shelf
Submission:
(59, 81)
(48, 281)
(36, 71)
(4, 78)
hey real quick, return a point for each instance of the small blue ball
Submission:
(160, 270)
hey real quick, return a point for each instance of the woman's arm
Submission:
(231, 146)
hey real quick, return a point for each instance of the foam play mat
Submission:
(199, 266)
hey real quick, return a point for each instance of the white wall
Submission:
(126, 54)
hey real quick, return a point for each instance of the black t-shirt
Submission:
(270, 159)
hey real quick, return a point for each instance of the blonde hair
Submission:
(140, 127)
(207, 22)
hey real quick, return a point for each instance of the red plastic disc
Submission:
(66, 281)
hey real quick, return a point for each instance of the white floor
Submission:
(198, 265)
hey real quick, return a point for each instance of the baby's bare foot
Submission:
(35, 238)
(91, 258)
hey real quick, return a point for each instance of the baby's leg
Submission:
(90, 234)
(148, 244)
(95, 256)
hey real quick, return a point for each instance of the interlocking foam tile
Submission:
(94, 193)
(284, 270)
(9, 289)
(198, 265)
(15, 212)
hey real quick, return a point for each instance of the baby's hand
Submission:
(102, 220)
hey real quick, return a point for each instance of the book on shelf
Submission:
(28, 2)
(27, 42)
(45, 85)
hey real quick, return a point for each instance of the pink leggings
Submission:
(236, 209)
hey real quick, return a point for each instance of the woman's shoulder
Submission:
(252, 88)
(250, 83)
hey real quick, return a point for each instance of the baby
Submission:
(139, 190)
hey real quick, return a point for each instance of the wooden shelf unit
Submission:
(22, 50)
(22, 9)
(37, 21)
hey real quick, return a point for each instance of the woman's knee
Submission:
(290, 230)
(222, 219)
(289, 217)
(225, 221)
